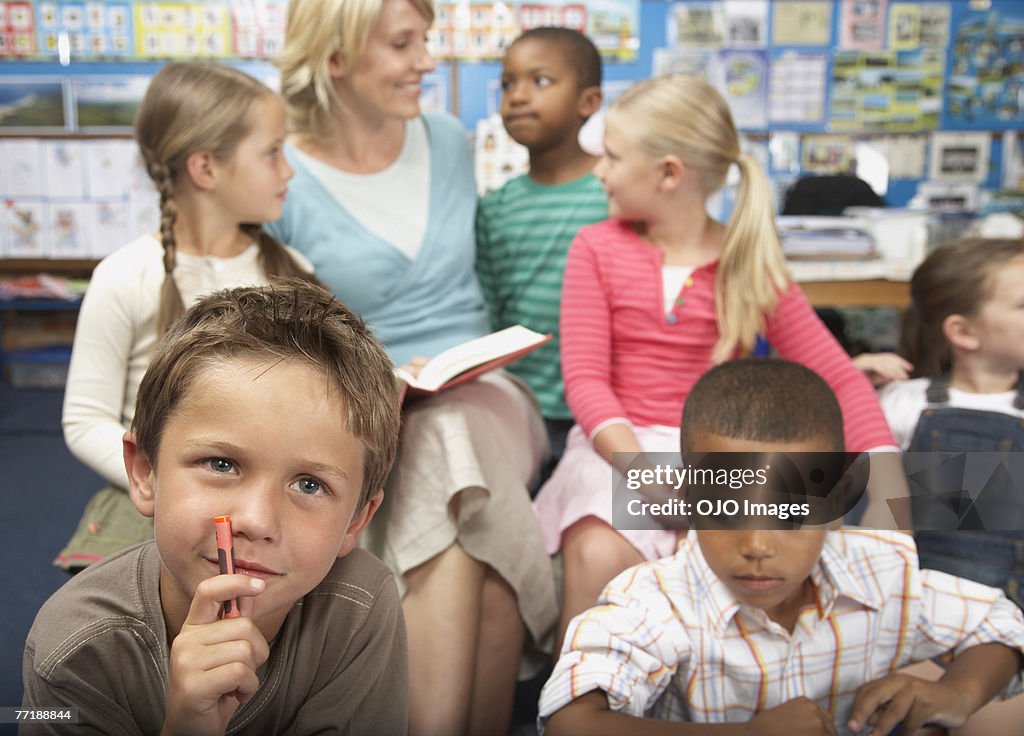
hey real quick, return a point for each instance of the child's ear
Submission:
(589, 101)
(201, 168)
(141, 475)
(960, 332)
(359, 522)
(672, 173)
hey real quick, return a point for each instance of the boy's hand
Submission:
(213, 661)
(907, 702)
(797, 717)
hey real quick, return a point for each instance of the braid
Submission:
(171, 304)
(276, 261)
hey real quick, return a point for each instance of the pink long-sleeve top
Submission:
(623, 358)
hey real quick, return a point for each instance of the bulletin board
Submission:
(926, 83)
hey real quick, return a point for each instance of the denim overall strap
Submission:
(995, 557)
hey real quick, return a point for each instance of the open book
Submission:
(465, 362)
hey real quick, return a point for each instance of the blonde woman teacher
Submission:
(383, 204)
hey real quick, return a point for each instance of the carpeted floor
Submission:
(43, 491)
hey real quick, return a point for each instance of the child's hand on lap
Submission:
(907, 702)
(213, 660)
(797, 717)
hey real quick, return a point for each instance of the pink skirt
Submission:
(581, 486)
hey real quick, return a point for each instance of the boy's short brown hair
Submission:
(291, 319)
(764, 400)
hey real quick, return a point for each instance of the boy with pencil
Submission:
(551, 84)
(765, 631)
(274, 406)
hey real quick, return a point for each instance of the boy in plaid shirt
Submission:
(780, 632)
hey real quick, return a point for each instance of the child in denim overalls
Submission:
(964, 333)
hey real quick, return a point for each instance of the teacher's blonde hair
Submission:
(316, 30)
(684, 116)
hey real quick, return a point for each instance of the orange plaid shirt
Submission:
(668, 640)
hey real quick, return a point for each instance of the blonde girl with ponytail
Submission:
(211, 139)
(655, 296)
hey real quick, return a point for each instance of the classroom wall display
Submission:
(32, 104)
(797, 87)
(482, 29)
(986, 84)
(801, 22)
(89, 29)
(183, 30)
(862, 24)
(254, 29)
(826, 154)
(107, 102)
(17, 29)
(939, 65)
(70, 198)
(960, 157)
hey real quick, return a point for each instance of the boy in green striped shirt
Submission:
(551, 84)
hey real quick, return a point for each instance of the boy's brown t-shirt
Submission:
(339, 662)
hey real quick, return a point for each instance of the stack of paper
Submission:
(824, 237)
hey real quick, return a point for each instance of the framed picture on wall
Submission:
(32, 104)
(959, 157)
(826, 154)
(108, 102)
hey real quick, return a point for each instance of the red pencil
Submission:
(226, 558)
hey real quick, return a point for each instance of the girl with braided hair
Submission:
(211, 138)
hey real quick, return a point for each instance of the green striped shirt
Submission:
(523, 233)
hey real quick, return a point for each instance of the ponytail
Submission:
(752, 269)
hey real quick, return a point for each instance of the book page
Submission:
(450, 363)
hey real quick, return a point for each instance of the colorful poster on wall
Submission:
(904, 26)
(171, 30)
(695, 24)
(886, 91)
(89, 29)
(986, 87)
(258, 27)
(802, 22)
(483, 29)
(23, 236)
(826, 154)
(796, 92)
(746, 23)
(862, 24)
(17, 29)
(695, 62)
(934, 24)
(743, 82)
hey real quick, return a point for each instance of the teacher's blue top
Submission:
(417, 306)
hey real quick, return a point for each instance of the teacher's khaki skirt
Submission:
(478, 444)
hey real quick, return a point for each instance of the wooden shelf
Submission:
(865, 293)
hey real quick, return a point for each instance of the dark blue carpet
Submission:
(43, 490)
